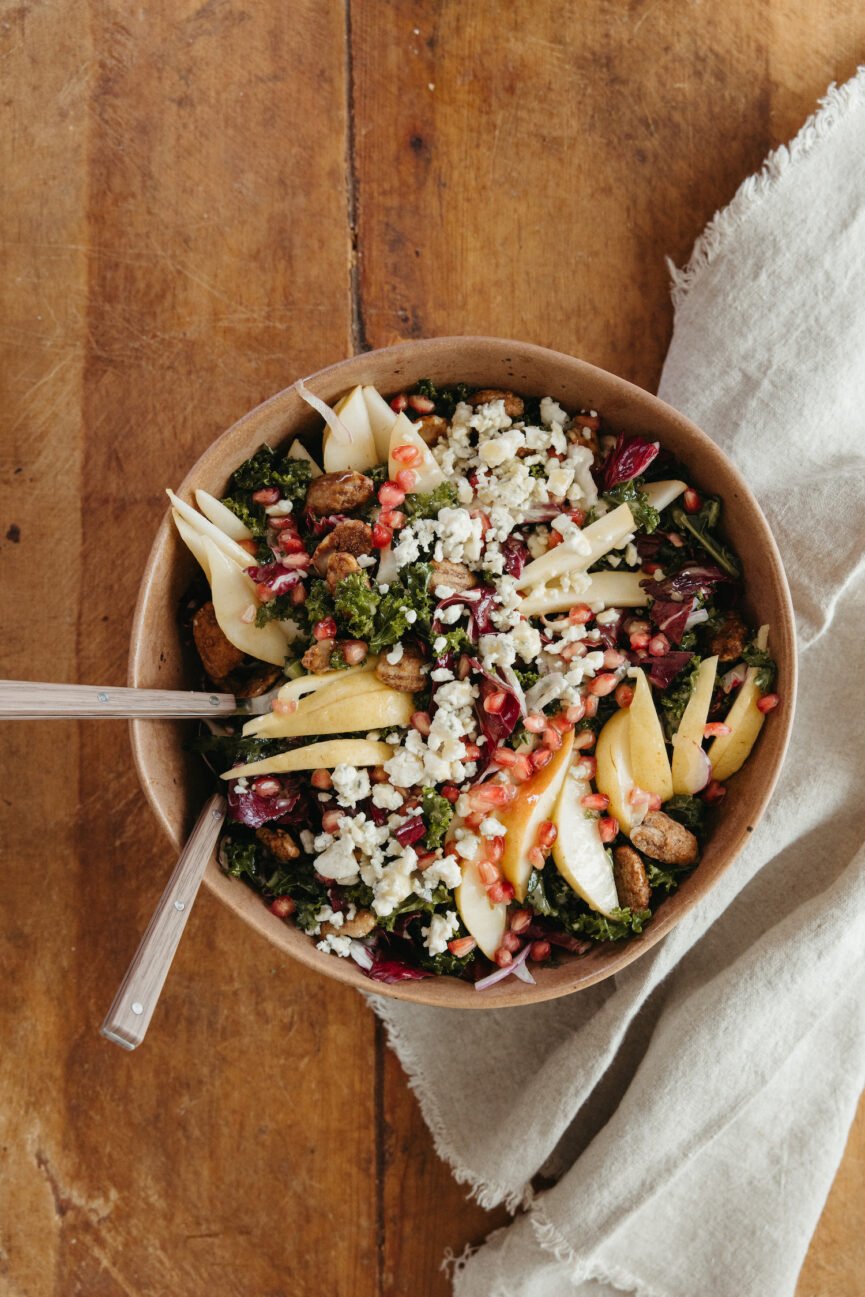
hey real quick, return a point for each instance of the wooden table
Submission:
(200, 202)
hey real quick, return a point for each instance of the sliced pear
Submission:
(222, 517)
(612, 589)
(297, 450)
(381, 418)
(601, 536)
(233, 593)
(615, 777)
(427, 471)
(205, 527)
(649, 761)
(357, 451)
(316, 756)
(193, 540)
(532, 805)
(302, 685)
(729, 752)
(376, 709)
(660, 494)
(687, 768)
(578, 851)
(485, 921)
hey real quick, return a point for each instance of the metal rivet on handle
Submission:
(179, 905)
(214, 701)
(103, 698)
(137, 1008)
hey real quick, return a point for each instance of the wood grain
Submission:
(201, 201)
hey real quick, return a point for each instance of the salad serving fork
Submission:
(33, 700)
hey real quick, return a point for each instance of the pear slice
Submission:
(381, 418)
(485, 920)
(687, 768)
(373, 709)
(611, 589)
(233, 594)
(316, 691)
(649, 761)
(222, 517)
(297, 450)
(316, 756)
(428, 473)
(729, 752)
(600, 536)
(615, 777)
(193, 540)
(532, 805)
(357, 451)
(578, 851)
(661, 494)
(205, 528)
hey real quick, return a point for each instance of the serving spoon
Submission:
(32, 700)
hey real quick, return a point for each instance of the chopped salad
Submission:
(509, 669)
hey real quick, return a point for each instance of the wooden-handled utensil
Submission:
(129, 1016)
(31, 700)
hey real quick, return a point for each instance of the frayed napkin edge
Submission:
(837, 102)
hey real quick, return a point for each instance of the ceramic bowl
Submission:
(176, 782)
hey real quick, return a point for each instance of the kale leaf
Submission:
(356, 604)
(550, 895)
(701, 527)
(251, 515)
(428, 505)
(319, 602)
(446, 398)
(240, 858)
(437, 813)
(275, 610)
(645, 515)
(757, 657)
(234, 749)
(408, 594)
(688, 810)
(266, 468)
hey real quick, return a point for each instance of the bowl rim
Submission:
(424, 991)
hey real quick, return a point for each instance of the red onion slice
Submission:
(333, 421)
(512, 967)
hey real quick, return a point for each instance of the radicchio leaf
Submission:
(246, 806)
(394, 970)
(663, 670)
(672, 617)
(496, 726)
(515, 554)
(692, 579)
(275, 577)
(629, 458)
(480, 602)
(318, 526)
(609, 632)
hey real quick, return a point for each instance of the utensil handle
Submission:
(128, 1018)
(30, 700)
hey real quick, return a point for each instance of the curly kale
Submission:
(251, 515)
(645, 515)
(446, 398)
(356, 604)
(229, 750)
(319, 602)
(428, 505)
(267, 468)
(757, 657)
(551, 896)
(688, 810)
(437, 813)
(406, 606)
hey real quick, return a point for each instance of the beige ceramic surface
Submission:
(176, 783)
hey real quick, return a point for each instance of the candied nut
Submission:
(317, 657)
(581, 435)
(407, 674)
(338, 492)
(514, 405)
(632, 885)
(665, 839)
(360, 926)
(279, 843)
(730, 639)
(254, 683)
(430, 428)
(339, 566)
(350, 537)
(454, 575)
(218, 655)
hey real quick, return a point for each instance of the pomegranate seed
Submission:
(462, 946)
(586, 768)
(284, 523)
(591, 706)
(265, 787)
(405, 454)
(659, 646)
(547, 834)
(330, 820)
(608, 828)
(576, 712)
(602, 685)
(298, 595)
(501, 892)
(381, 536)
(284, 706)
(535, 723)
(677, 541)
(321, 779)
(578, 650)
(536, 858)
(654, 802)
(578, 515)
(539, 951)
(580, 614)
(502, 957)
(425, 859)
(379, 775)
(768, 702)
(555, 539)
(640, 641)
(493, 795)
(421, 722)
(638, 797)
(494, 702)
(504, 757)
(250, 547)
(267, 495)
(450, 792)
(264, 594)
(422, 404)
(714, 792)
(475, 820)
(282, 906)
(290, 543)
(714, 729)
(399, 403)
(613, 658)
(406, 479)
(300, 559)
(552, 738)
(473, 752)
(691, 501)
(354, 651)
(651, 568)
(520, 920)
(595, 801)
(522, 768)
(511, 942)
(324, 629)
(495, 849)
(561, 723)
(487, 873)
(390, 495)
(624, 695)
(541, 757)
(391, 518)
(584, 740)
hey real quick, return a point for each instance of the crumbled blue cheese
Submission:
(395, 884)
(492, 828)
(447, 870)
(442, 928)
(450, 616)
(467, 844)
(552, 412)
(350, 784)
(334, 944)
(337, 861)
(395, 655)
(386, 797)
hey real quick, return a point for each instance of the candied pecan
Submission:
(317, 657)
(338, 492)
(632, 885)
(360, 926)
(456, 576)
(349, 537)
(431, 427)
(582, 435)
(730, 638)
(218, 655)
(407, 674)
(514, 405)
(279, 843)
(252, 684)
(339, 566)
(665, 839)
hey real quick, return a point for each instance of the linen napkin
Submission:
(694, 1109)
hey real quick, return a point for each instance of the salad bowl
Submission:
(177, 782)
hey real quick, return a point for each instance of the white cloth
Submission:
(695, 1108)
